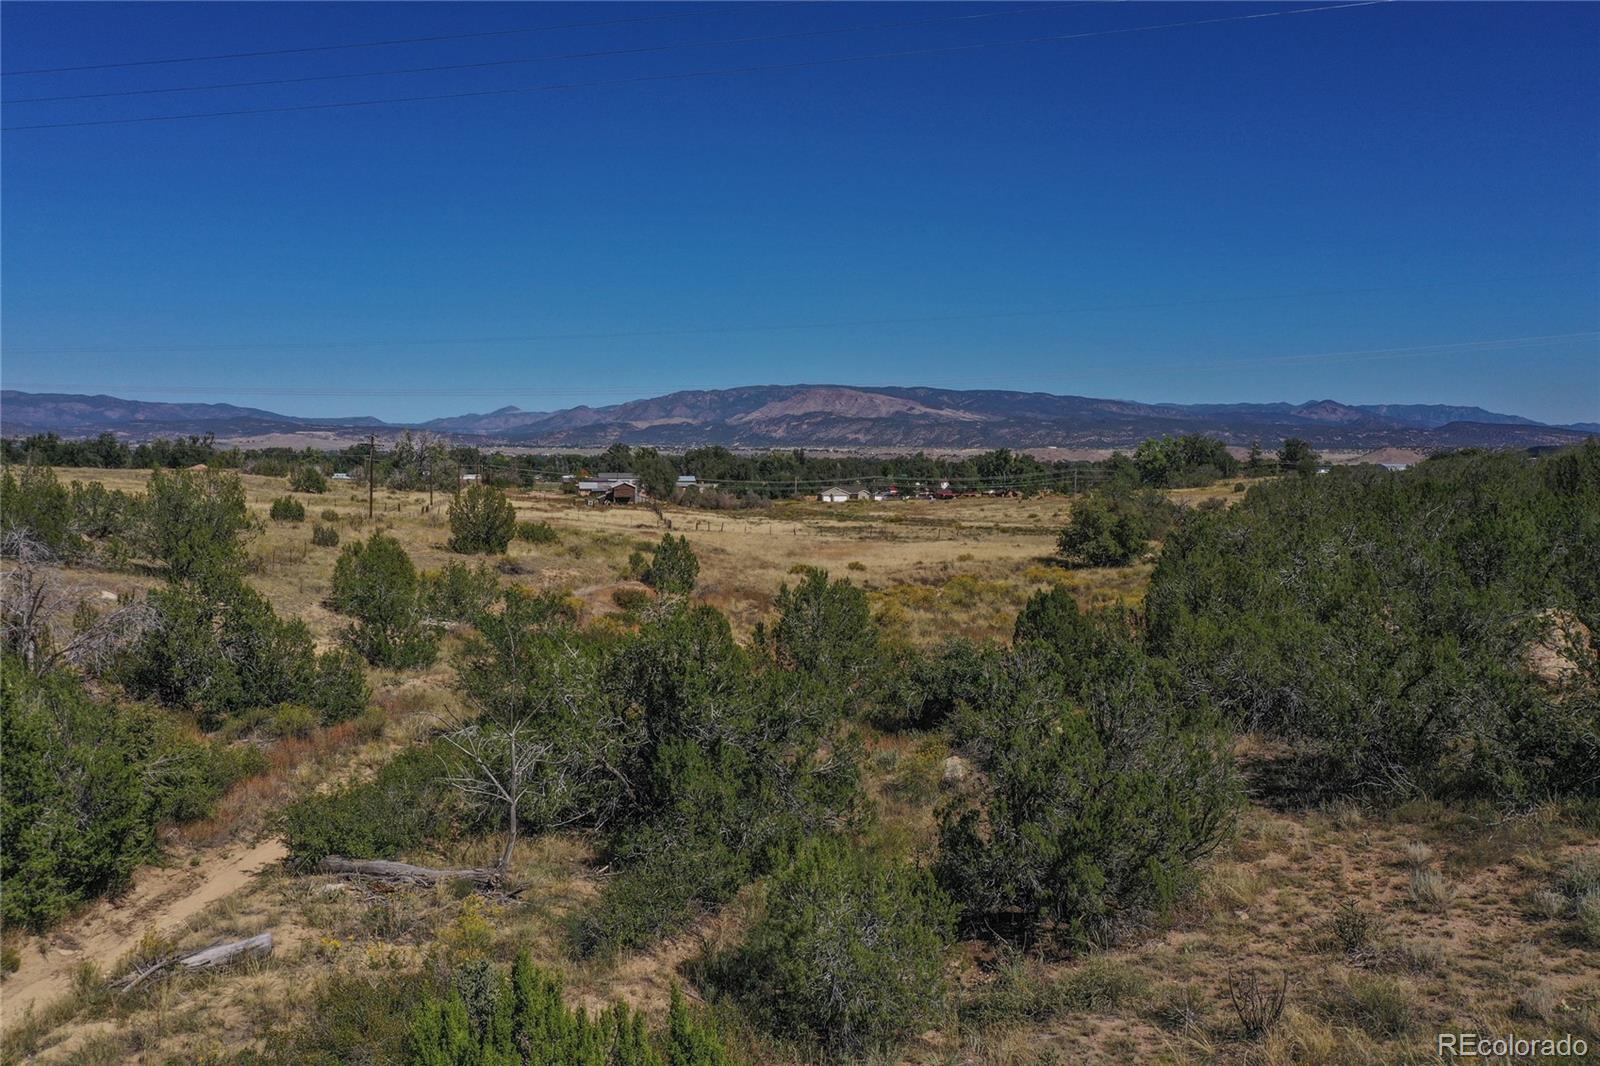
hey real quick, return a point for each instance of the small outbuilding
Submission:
(622, 492)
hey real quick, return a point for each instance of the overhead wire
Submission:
(552, 57)
(308, 49)
(694, 74)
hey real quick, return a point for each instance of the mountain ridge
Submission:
(824, 415)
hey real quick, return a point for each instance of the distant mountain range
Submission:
(832, 416)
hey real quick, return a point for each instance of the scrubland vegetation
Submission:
(1298, 774)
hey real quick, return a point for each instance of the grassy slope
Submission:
(1487, 961)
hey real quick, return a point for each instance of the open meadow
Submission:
(1381, 923)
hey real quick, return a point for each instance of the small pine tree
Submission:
(675, 567)
(850, 951)
(481, 520)
(375, 582)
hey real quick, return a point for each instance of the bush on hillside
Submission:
(674, 567)
(458, 593)
(536, 532)
(324, 536)
(1099, 796)
(195, 523)
(481, 520)
(849, 950)
(85, 786)
(825, 627)
(217, 649)
(725, 778)
(1389, 626)
(375, 582)
(407, 803)
(288, 509)
(522, 1018)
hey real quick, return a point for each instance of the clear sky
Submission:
(1389, 202)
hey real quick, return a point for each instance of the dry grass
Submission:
(1480, 917)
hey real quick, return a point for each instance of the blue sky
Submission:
(1388, 203)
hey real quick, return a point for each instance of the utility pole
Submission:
(372, 446)
(428, 477)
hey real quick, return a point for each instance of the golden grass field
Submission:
(1460, 938)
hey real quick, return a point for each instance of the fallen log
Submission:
(400, 873)
(212, 958)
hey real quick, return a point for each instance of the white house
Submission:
(833, 495)
(687, 481)
(341, 476)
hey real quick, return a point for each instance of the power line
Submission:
(688, 75)
(360, 44)
(553, 57)
(778, 327)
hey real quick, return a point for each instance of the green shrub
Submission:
(288, 509)
(522, 1018)
(481, 520)
(330, 516)
(674, 567)
(324, 536)
(1095, 804)
(308, 478)
(293, 720)
(924, 689)
(1112, 528)
(406, 804)
(1051, 616)
(339, 692)
(458, 593)
(849, 951)
(725, 778)
(825, 627)
(1383, 624)
(536, 532)
(218, 649)
(195, 524)
(40, 506)
(375, 582)
(84, 788)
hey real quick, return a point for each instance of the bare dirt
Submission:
(162, 899)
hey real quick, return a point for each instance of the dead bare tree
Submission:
(32, 602)
(502, 761)
(533, 732)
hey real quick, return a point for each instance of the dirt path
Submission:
(161, 898)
